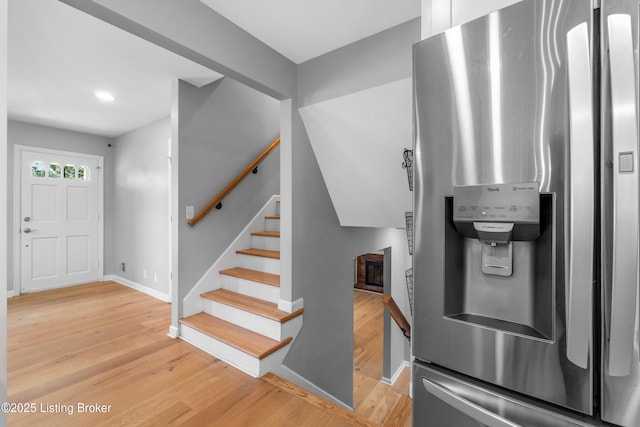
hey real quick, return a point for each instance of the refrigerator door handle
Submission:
(476, 412)
(580, 219)
(624, 281)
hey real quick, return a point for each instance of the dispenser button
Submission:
(626, 163)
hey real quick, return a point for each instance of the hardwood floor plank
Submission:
(368, 337)
(149, 374)
(401, 414)
(325, 405)
(373, 399)
(403, 381)
(106, 343)
(378, 403)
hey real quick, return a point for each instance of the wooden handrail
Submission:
(221, 195)
(397, 315)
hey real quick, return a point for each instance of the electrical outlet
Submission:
(155, 277)
(190, 212)
(124, 266)
(144, 274)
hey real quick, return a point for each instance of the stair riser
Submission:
(223, 351)
(262, 242)
(268, 265)
(250, 288)
(232, 356)
(272, 225)
(253, 322)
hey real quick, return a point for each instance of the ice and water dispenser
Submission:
(499, 253)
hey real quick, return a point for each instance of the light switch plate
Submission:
(189, 212)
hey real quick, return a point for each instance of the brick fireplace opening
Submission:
(370, 272)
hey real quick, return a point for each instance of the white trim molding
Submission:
(138, 287)
(395, 376)
(290, 306)
(174, 332)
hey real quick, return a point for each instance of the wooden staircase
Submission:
(240, 322)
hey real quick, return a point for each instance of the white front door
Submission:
(59, 219)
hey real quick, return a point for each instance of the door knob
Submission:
(27, 219)
(28, 230)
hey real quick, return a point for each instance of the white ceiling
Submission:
(303, 29)
(58, 56)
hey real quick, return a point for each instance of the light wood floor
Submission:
(106, 344)
(374, 400)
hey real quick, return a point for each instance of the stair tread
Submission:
(253, 305)
(266, 233)
(253, 275)
(260, 252)
(272, 217)
(240, 338)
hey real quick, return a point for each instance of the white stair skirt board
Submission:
(231, 355)
(250, 288)
(263, 242)
(173, 332)
(268, 265)
(253, 322)
(138, 287)
(272, 224)
(229, 259)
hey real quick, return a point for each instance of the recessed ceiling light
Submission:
(104, 96)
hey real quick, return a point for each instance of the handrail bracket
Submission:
(216, 202)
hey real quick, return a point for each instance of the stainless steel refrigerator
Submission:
(526, 218)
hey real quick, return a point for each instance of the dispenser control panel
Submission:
(517, 203)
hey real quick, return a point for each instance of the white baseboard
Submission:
(297, 379)
(138, 287)
(290, 306)
(395, 376)
(11, 294)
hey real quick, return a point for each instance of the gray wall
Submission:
(322, 250)
(222, 127)
(322, 264)
(141, 215)
(20, 133)
(382, 58)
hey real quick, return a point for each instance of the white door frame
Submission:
(17, 192)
